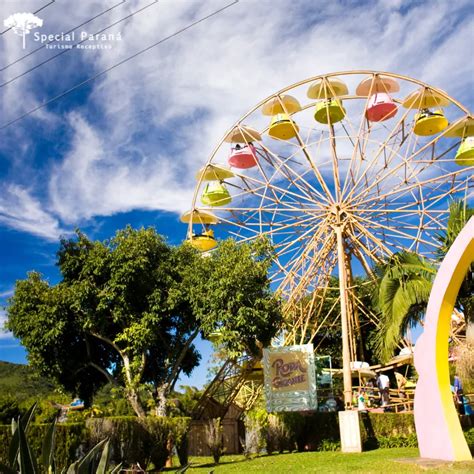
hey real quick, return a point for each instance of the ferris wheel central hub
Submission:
(337, 214)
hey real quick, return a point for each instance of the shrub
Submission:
(328, 445)
(23, 456)
(256, 422)
(179, 434)
(9, 409)
(133, 440)
(278, 434)
(159, 435)
(215, 438)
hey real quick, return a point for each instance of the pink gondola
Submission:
(243, 157)
(381, 107)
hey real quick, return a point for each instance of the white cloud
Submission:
(3, 319)
(93, 179)
(20, 211)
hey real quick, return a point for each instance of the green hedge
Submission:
(320, 431)
(133, 440)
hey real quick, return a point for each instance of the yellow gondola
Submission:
(465, 153)
(282, 126)
(429, 122)
(255, 373)
(215, 194)
(327, 88)
(204, 242)
(196, 216)
(329, 111)
(464, 129)
(214, 172)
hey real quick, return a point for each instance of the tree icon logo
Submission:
(22, 23)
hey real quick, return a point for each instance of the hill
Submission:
(22, 383)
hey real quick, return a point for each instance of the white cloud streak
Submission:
(4, 335)
(21, 211)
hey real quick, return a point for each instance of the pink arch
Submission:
(437, 424)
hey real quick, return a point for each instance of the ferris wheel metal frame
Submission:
(323, 216)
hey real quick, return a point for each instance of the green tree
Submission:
(127, 311)
(405, 281)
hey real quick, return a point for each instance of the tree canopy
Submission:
(127, 311)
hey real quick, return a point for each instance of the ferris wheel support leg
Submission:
(346, 358)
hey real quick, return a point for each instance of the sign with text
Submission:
(290, 379)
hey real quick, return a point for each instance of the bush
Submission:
(279, 435)
(469, 435)
(132, 440)
(215, 438)
(70, 444)
(256, 422)
(385, 429)
(179, 434)
(9, 409)
(328, 445)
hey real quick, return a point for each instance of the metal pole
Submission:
(346, 358)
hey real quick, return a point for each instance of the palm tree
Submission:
(404, 285)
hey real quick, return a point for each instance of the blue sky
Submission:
(125, 147)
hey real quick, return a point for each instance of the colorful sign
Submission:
(290, 378)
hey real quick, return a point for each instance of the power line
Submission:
(24, 73)
(101, 73)
(34, 13)
(67, 32)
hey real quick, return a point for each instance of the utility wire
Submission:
(24, 73)
(101, 73)
(34, 13)
(66, 33)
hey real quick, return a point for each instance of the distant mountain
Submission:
(22, 382)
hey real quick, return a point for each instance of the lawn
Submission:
(377, 461)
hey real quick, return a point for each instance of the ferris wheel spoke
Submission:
(395, 229)
(328, 198)
(440, 179)
(397, 129)
(294, 177)
(299, 258)
(246, 179)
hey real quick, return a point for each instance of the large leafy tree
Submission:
(127, 311)
(405, 281)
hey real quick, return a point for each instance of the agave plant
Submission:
(21, 458)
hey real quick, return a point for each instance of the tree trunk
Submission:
(134, 399)
(161, 398)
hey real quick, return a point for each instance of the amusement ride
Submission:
(339, 172)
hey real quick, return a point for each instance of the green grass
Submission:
(380, 461)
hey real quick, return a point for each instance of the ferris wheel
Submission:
(338, 171)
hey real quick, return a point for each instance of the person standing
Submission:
(458, 395)
(383, 384)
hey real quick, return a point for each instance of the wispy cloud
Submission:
(4, 335)
(21, 211)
